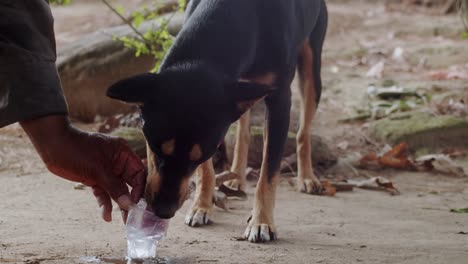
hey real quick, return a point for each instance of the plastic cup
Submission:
(144, 231)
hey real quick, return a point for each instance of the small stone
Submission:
(79, 186)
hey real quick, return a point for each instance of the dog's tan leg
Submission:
(261, 225)
(201, 208)
(307, 181)
(241, 152)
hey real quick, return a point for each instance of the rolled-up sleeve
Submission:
(29, 82)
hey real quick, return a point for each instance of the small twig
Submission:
(129, 23)
(368, 140)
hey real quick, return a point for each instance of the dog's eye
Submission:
(168, 147)
(196, 153)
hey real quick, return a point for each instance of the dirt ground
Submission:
(45, 220)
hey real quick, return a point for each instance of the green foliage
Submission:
(182, 5)
(60, 2)
(155, 42)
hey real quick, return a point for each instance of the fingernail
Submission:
(124, 216)
(124, 202)
(105, 215)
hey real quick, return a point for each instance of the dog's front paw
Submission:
(197, 217)
(260, 232)
(310, 185)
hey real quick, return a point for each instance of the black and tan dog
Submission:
(228, 55)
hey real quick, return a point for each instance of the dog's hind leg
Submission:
(201, 208)
(309, 64)
(241, 152)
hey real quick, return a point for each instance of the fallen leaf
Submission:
(441, 163)
(343, 145)
(377, 70)
(399, 151)
(448, 75)
(220, 200)
(328, 188)
(396, 163)
(395, 157)
(460, 210)
(376, 183)
(342, 186)
(229, 192)
(453, 105)
(398, 55)
(79, 186)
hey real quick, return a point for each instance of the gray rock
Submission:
(422, 130)
(89, 66)
(322, 156)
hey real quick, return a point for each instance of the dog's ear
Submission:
(136, 89)
(246, 94)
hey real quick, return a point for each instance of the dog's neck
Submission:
(229, 51)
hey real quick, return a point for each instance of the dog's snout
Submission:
(165, 210)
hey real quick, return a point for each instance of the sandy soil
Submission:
(45, 220)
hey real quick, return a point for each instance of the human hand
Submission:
(104, 163)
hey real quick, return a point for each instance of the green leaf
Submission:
(182, 5)
(460, 210)
(120, 9)
(138, 19)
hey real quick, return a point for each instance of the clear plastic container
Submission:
(144, 231)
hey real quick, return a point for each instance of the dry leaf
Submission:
(398, 55)
(343, 145)
(376, 183)
(395, 158)
(399, 151)
(328, 188)
(441, 163)
(448, 75)
(377, 70)
(220, 200)
(232, 192)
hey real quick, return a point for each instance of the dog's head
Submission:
(186, 111)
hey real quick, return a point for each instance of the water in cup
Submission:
(144, 231)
